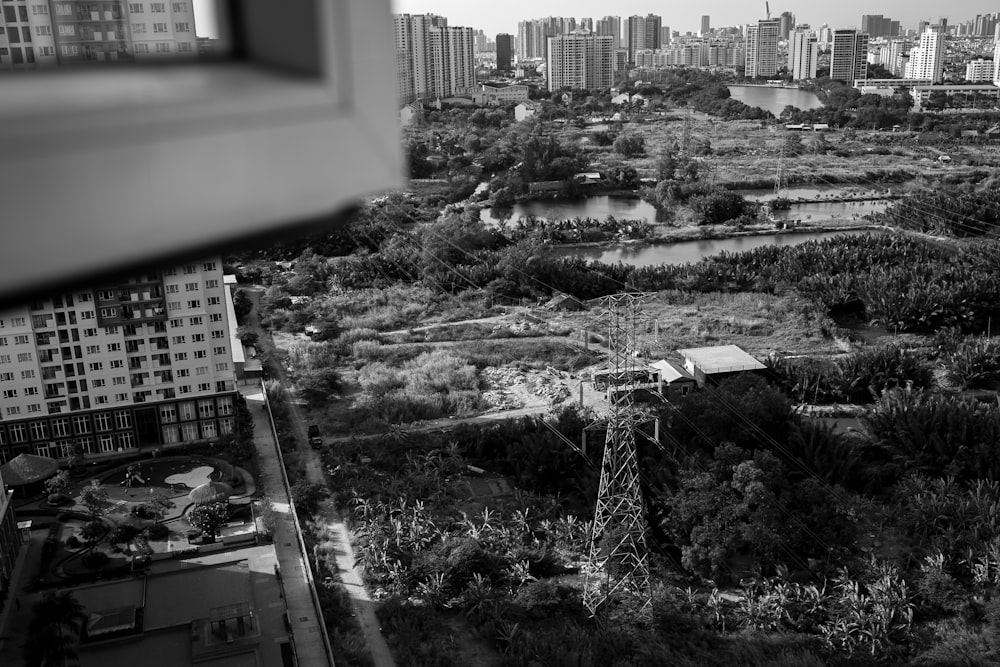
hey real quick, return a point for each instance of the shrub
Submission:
(56, 499)
(95, 559)
(93, 531)
(123, 534)
(975, 364)
(307, 496)
(157, 531)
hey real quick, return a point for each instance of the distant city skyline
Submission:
(503, 17)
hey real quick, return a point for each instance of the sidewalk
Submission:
(303, 617)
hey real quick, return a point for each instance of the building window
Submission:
(198, 338)
(180, 356)
(200, 354)
(182, 27)
(71, 50)
(123, 419)
(21, 339)
(158, 7)
(218, 333)
(184, 389)
(189, 432)
(163, 47)
(206, 409)
(201, 370)
(6, 377)
(98, 383)
(102, 421)
(31, 391)
(126, 440)
(43, 30)
(34, 407)
(218, 350)
(20, 321)
(89, 333)
(222, 366)
(18, 432)
(178, 340)
(3, 341)
(183, 372)
(214, 301)
(195, 321)
(135, 8)
(27, 375)
(179, 7)
(24, 356)
(39, 10)
(39, 431)
(106, 443)
(184, 47)
(101, 400)
(205, 386)
(10, 393)
(114, 347)
(215, 317)
(208, 430)
(13, 410)
(118, 380)
(96, 366)
(194, 303)
(117, 363)
(86, 445)
(142, 48)
(168, 414)
(93, 349)
(187, 410)
(81, 424)
(4, 358)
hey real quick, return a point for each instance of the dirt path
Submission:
(361, 602)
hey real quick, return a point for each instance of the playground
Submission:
(144, 514)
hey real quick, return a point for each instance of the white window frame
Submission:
(308, 91)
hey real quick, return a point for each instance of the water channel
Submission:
(683, 252)
(775, 99)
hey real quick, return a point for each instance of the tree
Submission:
(247, 336)
(75, 453)
(630, 145)
(55, 626)
(242, 304)
(95, 499)
(307, 496)
(209, 518)
(666, 165)
(59, 483)
(318, 384)
(157, 505)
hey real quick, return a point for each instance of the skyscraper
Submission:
(706, 25)
(872, 24)
(611, 26)
(433, 59)
(787, 23)
(144, 362)
(643, 33)
(505, 52)
(848, 56)
(580, 61)
(79, 32)
(762, 48)
(803, 53)
(927, 60)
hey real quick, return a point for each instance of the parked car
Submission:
(315, 440)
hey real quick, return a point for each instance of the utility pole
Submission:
(618, 560)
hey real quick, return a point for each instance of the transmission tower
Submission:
(617, 560)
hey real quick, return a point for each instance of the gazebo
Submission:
(210, 492)
(25, 472)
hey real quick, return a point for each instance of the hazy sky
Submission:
(495, 16)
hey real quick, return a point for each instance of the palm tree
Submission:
(54, 629)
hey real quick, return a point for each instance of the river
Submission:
(775, 99)
(683, 252)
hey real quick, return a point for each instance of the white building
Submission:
(979, 70)
(580, 61)
(848, 56)
(762, 48)
(927, 60)
(73, 31)
(141, 363)
(803, 54)
(432, 59)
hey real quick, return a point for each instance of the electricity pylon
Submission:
(618, 561)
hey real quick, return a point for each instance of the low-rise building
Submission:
(10, 541)
(966, 96)
(717, 362)
(525, 110)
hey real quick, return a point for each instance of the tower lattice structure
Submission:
(618, 561)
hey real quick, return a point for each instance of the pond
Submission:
(683, 252)
(775, 99)
(832, 210)
(594, 207)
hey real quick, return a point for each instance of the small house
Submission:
(674, 379)
(718, 362)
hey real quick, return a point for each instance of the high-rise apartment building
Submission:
(611, 26)
(145, 362)
(706, 25)
(643, 33)
(10, 541)
(848, 56)
(889, 56)
(872, 24)
(927, 59)
(803, 53)
(46, 34)
(505, 52)
(581, 61)
(762, 48)
(787, 23)
(433, 59)
(664, 36)
(996, 64)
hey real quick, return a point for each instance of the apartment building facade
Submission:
(46, 34)
(433, 59)
(142, 363)
(762, 48)
(848, 56)
(581, 61)
(803, 54)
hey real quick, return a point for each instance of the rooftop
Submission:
(721, 359)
